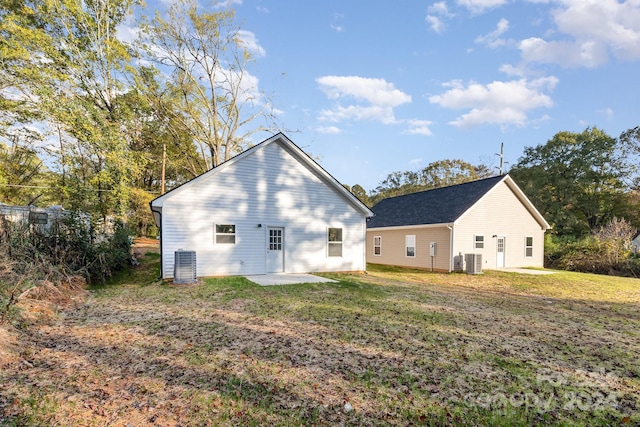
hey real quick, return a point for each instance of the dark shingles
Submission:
(437, 206)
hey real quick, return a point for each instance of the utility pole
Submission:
(164, 161)
(501, 157)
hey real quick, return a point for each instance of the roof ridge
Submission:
(447, 186)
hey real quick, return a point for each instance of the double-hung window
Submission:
(377, 245)
(410, 245)
(478, 241)
(225, 233)
(334, 241)
(528, 246)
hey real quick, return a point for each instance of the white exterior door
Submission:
(500, 241)
(275, 250)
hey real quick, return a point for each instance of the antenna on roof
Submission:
(501, 155)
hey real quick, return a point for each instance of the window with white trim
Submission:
(410, 246)
(528, 246)
(334, 241)
(478, 241)
(377, 245)
(225, 233)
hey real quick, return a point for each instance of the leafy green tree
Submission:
(441, 173)
(630, 150)
(159, 133)
(576, 180)
(66, 62)
(20, 170)
(208, 57)
(358, 191)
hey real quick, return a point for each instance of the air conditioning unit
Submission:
(184, 267)
(474, 263)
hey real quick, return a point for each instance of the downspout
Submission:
(161, 242)
(364, 252)
(451, 256)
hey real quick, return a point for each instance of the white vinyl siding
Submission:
(500, 213)
(269, 187)
(410, 246)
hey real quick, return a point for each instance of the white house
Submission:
(270, 209)
(490, 219)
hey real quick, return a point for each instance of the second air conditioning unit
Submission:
(473, 263)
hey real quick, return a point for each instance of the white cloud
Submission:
(591, 31)
(502, 103)
(419, 127)
(435, 13)
(250, 42)
(588, 53)
(479, 6)
(436, 24)
(415, 161)
(607, 112)
(439, 8)
(379, 98)
(511, 70)
(226, 3)
(335, 25)
(331, 130)
(493, 39)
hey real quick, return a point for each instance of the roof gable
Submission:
(291, 148)
(443, 205)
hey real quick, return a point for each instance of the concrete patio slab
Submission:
(287, 279)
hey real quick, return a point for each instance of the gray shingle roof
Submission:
(438, 206)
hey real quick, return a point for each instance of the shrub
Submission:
(590, 255)
(34, 257)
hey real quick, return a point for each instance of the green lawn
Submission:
(392, 347)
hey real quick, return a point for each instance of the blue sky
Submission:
(372, 87)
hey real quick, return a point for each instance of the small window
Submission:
(478, 242)
(410, 246)
(225, 233)
(38, 217)
(377, 245)
(528, 247)
(334, 237)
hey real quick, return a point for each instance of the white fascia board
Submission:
(294, 149)
(457, 221)
(160, 200)
(525, 200)
(519, 195)
(326, 176)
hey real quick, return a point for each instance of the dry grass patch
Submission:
(394, 347)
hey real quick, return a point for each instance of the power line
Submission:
(50, 188)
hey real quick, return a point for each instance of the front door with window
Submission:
(500, 252)
(275, 250)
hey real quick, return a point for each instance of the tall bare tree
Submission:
(207, 56)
